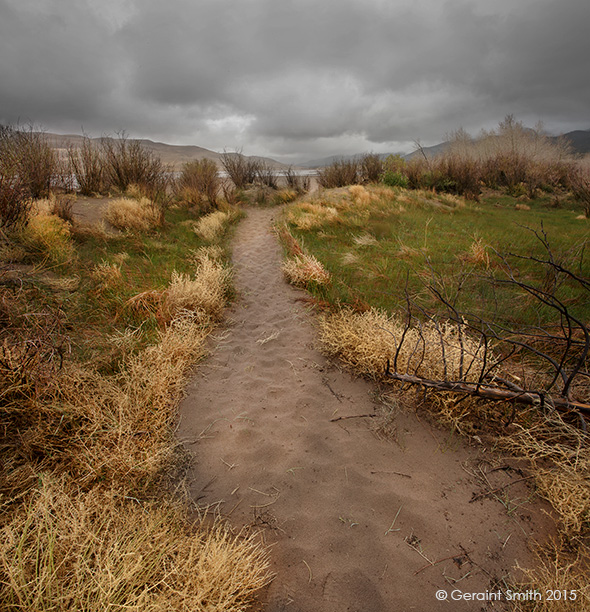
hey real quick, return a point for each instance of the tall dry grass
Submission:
(86, 455)
(212, 225)
(367, 341)
(304, 269)
(131, 214)
(100, 550)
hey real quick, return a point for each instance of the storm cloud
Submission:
(296, 78)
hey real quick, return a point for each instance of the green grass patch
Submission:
(380, 243)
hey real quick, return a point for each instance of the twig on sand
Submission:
(388, 472)
(486, 493)
(331, 390)
(309, 570)
(354, 416)
(432, 564)
(395, 519)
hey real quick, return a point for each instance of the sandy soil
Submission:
(90, 210)
(354, 520)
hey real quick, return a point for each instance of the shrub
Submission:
(87, 164)
(199, 184)
(395, 179)
(371, 168)
(15, 204)
(266, 175)
(295, 181)
(340, 173)
(128, 162)
(242, 171)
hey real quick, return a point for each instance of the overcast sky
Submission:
(294, 79)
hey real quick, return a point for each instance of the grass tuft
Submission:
(132, 214)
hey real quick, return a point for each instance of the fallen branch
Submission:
(354, 416)
(493, 393)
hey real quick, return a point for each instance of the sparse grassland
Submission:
(98, 332)
(440, 288)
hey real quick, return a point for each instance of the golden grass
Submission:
(212, 225)
(562, 573)
(107, 274)
(311, 215)
(365, 341)
(101, 550)
(559, 455)
(304, 269)
(204, 294)
(49, 236)
(132, 214)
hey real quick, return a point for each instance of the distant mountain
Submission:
(579, 141)
(171, 155)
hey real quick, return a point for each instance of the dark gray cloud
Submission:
(294, 78)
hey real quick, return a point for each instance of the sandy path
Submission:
(258, 419)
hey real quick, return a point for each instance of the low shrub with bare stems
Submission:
(340, 173)
(199, 184)
(242, 170)
(127, 163)
(88, 165)
(131, 214)
(300, 184)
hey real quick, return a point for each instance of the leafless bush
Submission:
(87, 164)
(15, 203)
(242, 170)
(129, 163)
(294, 181)
(28, 160)
(199, 184)
(371, 168)
(62, 207)
(580, 186)
(340, 173)
(266, 175)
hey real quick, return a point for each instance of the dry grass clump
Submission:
(204, 294)
(212, 225)
(365, 239)
(132, 214)
(478, 253)
(100, 550)
(303, 269)
(561, 572)
(311, 215)
(360, 195)
(48, 235)
(560, 458)
(365, 341)
(107, 274)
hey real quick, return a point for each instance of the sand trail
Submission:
(355, 521)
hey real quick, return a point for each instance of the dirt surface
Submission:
(355, 522)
